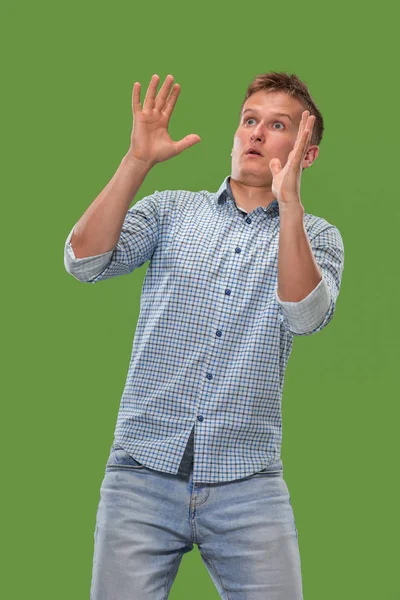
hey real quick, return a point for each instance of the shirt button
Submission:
(248, 220)
(200, 418)
(228, 292)
(209, 376)
(238, 250)
(219, 333)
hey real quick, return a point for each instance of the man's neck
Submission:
(249, 198)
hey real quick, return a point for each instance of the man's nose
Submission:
(257, 133)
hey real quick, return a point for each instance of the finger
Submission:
(275, 165)
(298, 145)
(169, 106)
(163, 93)
(187, 142)
(303, 120)
(310, 126)
(303, 138)
(136, 106)
(148, 103)
(299, 149)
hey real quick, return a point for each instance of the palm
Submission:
(150, 140)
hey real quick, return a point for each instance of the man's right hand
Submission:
(150, 141)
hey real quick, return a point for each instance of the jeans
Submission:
(147, 520)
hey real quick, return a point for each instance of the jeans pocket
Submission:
(120, 459)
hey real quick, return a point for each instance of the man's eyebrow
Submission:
(277, 114)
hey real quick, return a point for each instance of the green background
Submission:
(68, 73)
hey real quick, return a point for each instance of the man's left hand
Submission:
(286, 180)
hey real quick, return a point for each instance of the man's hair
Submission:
(294, 87)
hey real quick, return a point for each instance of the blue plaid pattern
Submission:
(213, 338)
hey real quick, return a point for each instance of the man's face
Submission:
(274, 135)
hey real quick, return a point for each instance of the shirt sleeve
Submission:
(315, 311)
(136, 245)
(85, 268)
(309, 312)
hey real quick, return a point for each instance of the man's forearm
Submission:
(99, 228)
(298, 272)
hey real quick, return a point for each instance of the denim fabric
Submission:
(147, 520)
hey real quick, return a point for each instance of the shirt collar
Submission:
(225, 191)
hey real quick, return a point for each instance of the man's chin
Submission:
(251, 176)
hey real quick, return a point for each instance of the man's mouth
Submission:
(253, 152)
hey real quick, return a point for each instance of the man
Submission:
(234, 275)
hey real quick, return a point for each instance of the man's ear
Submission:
(311, 156)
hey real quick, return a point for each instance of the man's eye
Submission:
(251, 119)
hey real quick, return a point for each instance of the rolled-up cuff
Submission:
(87, 267)
(308, 313)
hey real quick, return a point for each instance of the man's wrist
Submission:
(294, 210)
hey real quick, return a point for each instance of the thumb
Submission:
(187, 141)
(275, 166)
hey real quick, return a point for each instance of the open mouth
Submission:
(253, 152)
